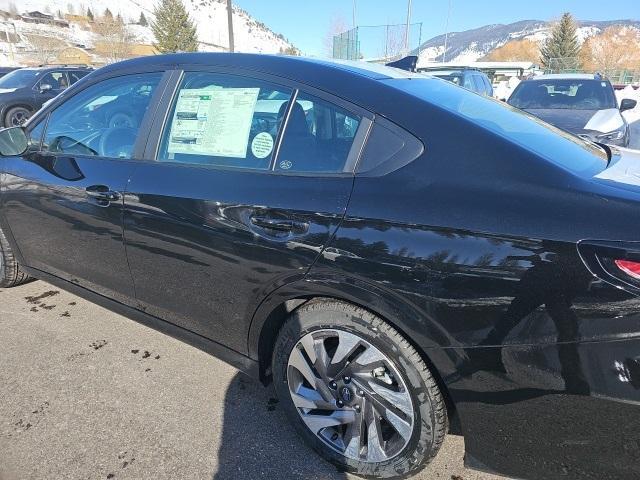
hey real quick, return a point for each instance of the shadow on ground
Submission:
(258, 442)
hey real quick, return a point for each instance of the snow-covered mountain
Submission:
(471, 45)
(210, 16)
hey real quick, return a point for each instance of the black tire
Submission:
(429, 410)
(10, 273)
(8, 118)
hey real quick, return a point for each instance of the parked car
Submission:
(24, 91)
(469, 78)
(5, 70)
(582, 104)
(398, 256)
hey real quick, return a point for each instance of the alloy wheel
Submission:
(350, 395)
(18, 117)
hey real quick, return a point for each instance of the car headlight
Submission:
(614, 135)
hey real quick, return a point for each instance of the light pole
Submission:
(230, 22)
(406, 32)
(446, 34)
(354, 14)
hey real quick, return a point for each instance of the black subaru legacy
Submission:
(400, 257)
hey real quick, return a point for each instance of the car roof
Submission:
(264, 61)
(567, 76)
(314, 71)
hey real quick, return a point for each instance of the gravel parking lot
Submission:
(88, 394)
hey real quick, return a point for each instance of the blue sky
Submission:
(306, 22)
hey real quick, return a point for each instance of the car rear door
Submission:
(62, 201)
(250, 178)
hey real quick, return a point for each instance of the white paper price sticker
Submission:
(262, 145)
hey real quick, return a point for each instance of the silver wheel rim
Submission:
(350, 395)
(19, 117)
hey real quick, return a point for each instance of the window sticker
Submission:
(213, 121)
(262, 145)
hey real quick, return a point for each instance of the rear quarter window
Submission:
(559, 147)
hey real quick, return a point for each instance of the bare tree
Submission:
(45, 49)
(116, 39)
(337, 25)
(617, 48)
(13, 10)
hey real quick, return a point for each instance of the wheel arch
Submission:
(272, 313)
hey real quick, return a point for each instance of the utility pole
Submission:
(230, 22)
(446, 34)
(354, 14)
(406, 32)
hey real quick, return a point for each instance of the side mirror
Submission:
(13, 141)
(627, 104)
(45, 87)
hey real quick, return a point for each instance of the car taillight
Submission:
(630, 268)
(617, 263)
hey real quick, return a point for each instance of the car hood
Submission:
(579, 121)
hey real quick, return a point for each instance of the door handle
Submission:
(102, 192)
(279, 224)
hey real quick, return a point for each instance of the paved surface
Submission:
(88, 394)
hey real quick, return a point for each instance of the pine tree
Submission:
(143, 20)
(119, 19)
(562, 47)
(107, 14)
(173, 29)
(90, 15)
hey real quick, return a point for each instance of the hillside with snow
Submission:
(474, 44)
(210, 17)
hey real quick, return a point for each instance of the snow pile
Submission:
(505, 88)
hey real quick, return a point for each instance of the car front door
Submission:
(249, 181)
(63, 199)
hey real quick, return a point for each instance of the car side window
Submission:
(75, 76)
(224, 120)
(468, 83)
(318, 136)
(480, 85)
(103, 119)
(35, 135)
(57, 80)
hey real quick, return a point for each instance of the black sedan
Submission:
(400, 257)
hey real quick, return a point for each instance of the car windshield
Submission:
(571, 94)
(19, 78)
(449, 75)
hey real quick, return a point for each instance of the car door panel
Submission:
(60, 228)
(207, 242)
(63, 199)
(205, 246)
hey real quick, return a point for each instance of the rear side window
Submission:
(318, 137)
(224, 120)
(236, 121)
(102, 119)
(468, 83)
(75, 76)
(479, 82)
